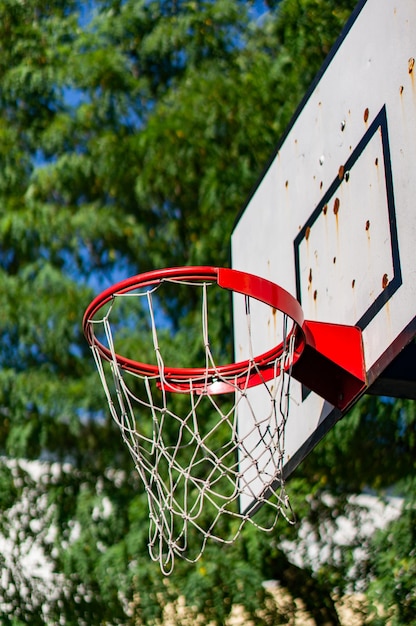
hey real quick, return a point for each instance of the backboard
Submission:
(333, 218)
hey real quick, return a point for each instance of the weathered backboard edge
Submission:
(350, 22)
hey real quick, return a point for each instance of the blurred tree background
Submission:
(131, 132)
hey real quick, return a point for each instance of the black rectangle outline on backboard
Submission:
(334, 415)
(379, 123)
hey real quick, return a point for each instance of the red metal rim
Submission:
(178, 379)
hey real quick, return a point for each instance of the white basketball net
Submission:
(197, 463)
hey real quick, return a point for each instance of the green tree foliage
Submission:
(130, 134)
(394, 567)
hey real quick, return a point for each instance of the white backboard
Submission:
(333, 218)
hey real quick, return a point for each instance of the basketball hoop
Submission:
(195, 464)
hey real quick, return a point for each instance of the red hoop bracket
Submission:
(328, 358)
(332, 362)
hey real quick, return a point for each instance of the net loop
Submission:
(202, 453)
